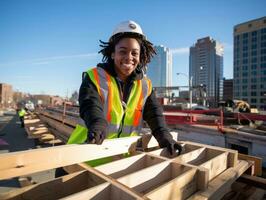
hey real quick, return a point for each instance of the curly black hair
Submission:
(147, 50)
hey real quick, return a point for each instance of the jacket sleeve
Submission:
(91, 108)
(153, 115)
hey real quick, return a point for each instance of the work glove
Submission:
(172, 146)
(96, 136)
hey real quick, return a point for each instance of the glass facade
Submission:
(160, 68)
(206, 67)
(250, 63)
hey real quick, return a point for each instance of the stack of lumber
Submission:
(200, 172)
(36, 129)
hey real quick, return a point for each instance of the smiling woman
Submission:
(116, 96)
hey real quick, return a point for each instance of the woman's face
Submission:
(126, 57)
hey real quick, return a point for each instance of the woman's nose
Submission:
(129, 56)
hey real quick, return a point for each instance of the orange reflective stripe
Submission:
(96, 76)
(138, 110)
(110, 98)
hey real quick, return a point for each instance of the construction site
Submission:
(221, 159)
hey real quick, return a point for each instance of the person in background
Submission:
(21, 114)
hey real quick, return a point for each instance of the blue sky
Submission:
(45, 45)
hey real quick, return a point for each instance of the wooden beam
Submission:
(216, 165)
(114, 182)
(56, 188)
(30, 161)
(129, 165)
(232, 157)
(257, 163)
(222, 183)
(179, 188)
(253, 180)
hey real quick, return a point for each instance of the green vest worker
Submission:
(116, 96)
(21, 114)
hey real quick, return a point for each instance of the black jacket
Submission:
(91, 108)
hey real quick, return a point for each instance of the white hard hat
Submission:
(128, 27)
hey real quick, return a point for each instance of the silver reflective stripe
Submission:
(104, 88)
(145, 90)
(112, 128)
(129, 129)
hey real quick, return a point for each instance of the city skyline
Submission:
(46, 45)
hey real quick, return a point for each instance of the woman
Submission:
(116, 96)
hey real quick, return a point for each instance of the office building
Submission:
(160, 68)
(206, 69)
(250, 62)
(6, 94)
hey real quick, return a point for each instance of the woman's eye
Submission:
(135, 54)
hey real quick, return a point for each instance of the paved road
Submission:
(16, 138)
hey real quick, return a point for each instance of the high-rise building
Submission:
(206, 68)
(250, 62)
(6, 94)
(160, 68)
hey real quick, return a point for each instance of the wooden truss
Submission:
(200, 172)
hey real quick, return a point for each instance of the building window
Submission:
(254, 60)
(263, 79)
(244, 67)
(244, 87)
(254, 39)
(263, 37)
(263, 30)
(245, 42)
(263, 58)
(253, 80)
(253, 93)
(245, 61)
(254, 53)
(253, 100)
(254, 33)
(263, 51)
(244, 74)
(244, 80)
(244, 94)
(254, 46)
(253, 66)
(263, 44)
(254, 73)
(245, 54)
(263, 65)
(245, 35)
(262, 100)
(253, 87)
(245, 48)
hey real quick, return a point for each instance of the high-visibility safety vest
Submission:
(21, 113)
(123, 119)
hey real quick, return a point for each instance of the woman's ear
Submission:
(113, 56)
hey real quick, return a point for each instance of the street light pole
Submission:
(189, 87)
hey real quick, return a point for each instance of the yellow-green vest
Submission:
(124, 119)
(21, 113)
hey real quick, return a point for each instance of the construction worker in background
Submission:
(116, 96)
(21, 114)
